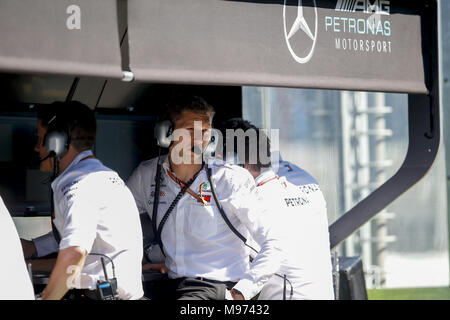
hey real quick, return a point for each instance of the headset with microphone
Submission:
(163, 133)
(57, 138)
(56, 141)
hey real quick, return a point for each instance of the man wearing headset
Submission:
(204, 257)
(298, 212)
(96, 227)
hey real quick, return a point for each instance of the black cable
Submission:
(286, 280)
(110, 260)
(55, 231)
(55, 167)
(171, 207)
(223, 214)
(104, 268)
(72, 89)
(106, 81)
(101, 94)
(156, 196)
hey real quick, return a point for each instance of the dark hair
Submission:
(73, 117)
(263, 141)
(191, 103)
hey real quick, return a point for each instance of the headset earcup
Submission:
(210, 149)
(163, 133)
(57, 142)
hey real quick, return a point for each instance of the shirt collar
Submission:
(165, 163)
(264, 176)
(75, 161)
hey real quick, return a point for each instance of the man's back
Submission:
(298, 213)
(96, 211)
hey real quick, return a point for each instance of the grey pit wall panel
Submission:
(75, 37)
(311, 44)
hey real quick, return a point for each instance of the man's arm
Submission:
(266, 263)
(79, 208)
(67, 269)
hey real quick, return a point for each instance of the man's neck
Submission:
(184, 172)
(67, 159)
(253, 172)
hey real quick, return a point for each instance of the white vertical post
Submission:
(347, 161)
(362, 169)
(380, 178)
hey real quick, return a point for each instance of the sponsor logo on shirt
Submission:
(161, 179)
(151, 202)
(250, 184)
(296, 202)
(205, 193)
(116, 181)
(69, 187)
(309, 188)
(162, 186)
(288, 167)
(68, 191)
(162, 193)
(247, 183)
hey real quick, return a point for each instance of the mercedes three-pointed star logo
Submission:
(300, 23)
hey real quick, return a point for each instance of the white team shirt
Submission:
(95, 210)
(299, 214)
(197, 242)
(16, 283)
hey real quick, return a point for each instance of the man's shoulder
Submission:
(221, 167)
(146, 167)
(232, 177)
(151, 163)
(295, 174)
(78, 180)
